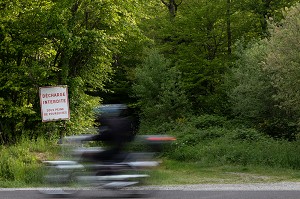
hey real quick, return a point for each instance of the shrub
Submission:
(246, 134)
(206, 120)
(11, 168)
(20, 164)
(224, 143)
(159, 91)
(264, 84)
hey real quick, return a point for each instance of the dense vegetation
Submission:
(220, 75)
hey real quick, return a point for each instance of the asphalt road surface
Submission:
(247, 191)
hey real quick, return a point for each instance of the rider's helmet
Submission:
(111, 110)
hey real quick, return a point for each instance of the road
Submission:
(248, 191)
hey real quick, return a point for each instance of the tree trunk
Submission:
(265, 15)
(172, 6)
(229, 34)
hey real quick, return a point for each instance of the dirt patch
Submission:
(250, 177)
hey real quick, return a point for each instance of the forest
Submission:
(198, 69)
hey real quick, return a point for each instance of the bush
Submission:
(264, 84)
(246, 134)
(224, 143)
(20, 164)
(205, 121)
(159, 91)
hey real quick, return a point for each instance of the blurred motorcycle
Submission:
(77, 170)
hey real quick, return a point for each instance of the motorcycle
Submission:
(76, 171)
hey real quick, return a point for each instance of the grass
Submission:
(208, 150)
(174, 173)
(21, 166)
(21, 163)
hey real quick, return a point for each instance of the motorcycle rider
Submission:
(116, 129)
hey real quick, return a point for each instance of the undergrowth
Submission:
(207, 141)
(214, 140)
(21, 163)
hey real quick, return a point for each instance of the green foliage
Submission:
(189, 42)
(261, 11)
(21, 163)
(250, 90)
(45, 43)
(282, 62)
(205, 121)
(158, 89)
(199, 42)
(223, 143)
(263, 88)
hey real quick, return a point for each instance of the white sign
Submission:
(54, 103)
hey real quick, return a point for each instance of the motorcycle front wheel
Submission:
(59, 183)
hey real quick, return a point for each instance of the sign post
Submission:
(54, 103)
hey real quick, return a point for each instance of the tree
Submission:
(51, 42)
(127, 57)
(265, 9)
(196, 44)
(21, 51)
(172, 6)
(282, 63)
(266, 91)
(200, 42)
(250, 88)
(158, 90)
(228, 29)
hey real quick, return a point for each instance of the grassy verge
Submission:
(212, 149)
(21, 164)
(170, 172)
(214, 155)
(174, 172)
